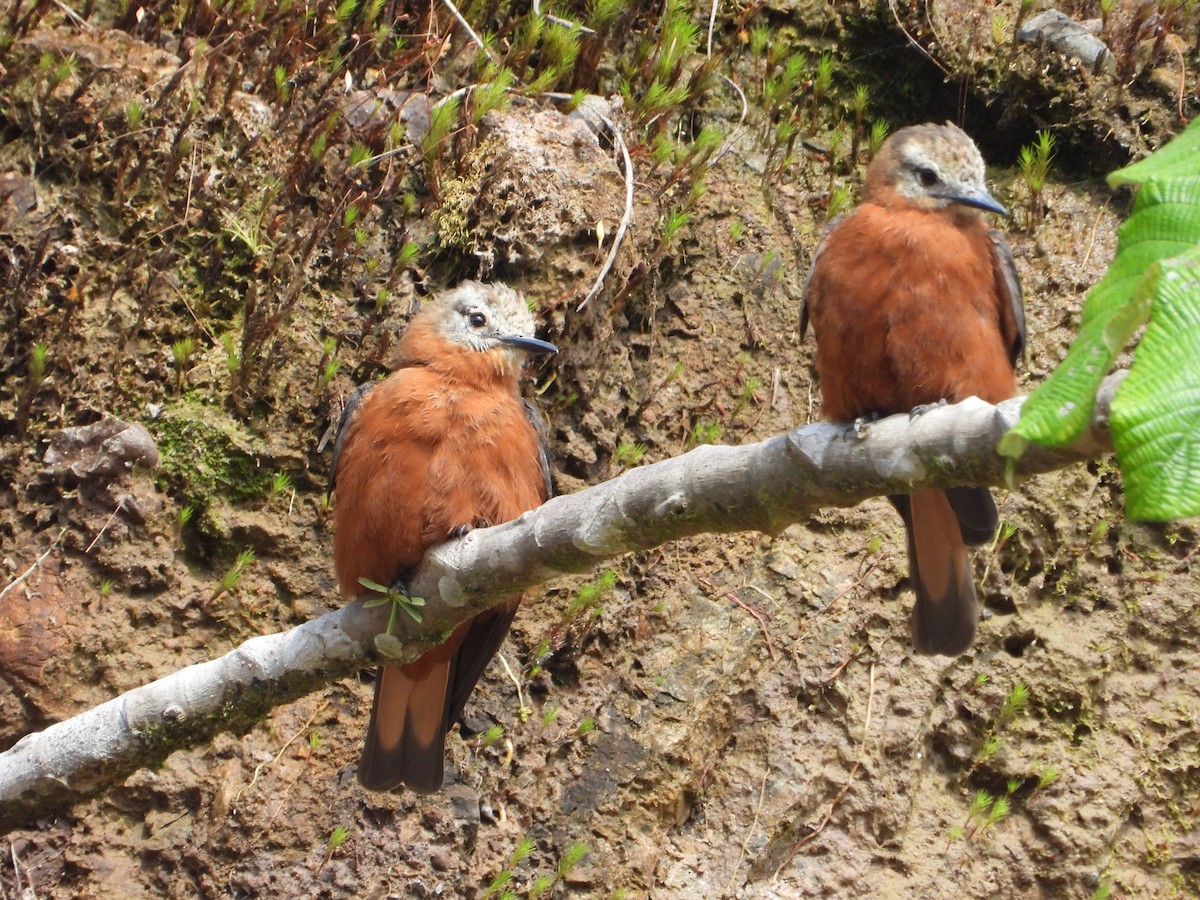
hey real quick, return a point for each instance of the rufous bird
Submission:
(914, 300)
(442, 445)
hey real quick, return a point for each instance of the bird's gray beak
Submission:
(980, 200)
(528, 344)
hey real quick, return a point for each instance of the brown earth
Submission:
(736, 716)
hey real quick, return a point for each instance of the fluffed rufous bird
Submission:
(914, 300)
(442, 445)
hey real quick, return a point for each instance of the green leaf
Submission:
(1156, 413)
(1164, 224)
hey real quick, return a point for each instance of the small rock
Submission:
(1062, 33)
(101, 452)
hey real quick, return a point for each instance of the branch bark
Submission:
(765, 487)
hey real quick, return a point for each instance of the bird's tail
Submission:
(406, 737)
(940, 524)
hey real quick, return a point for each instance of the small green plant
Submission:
(106, 587)
(491, 736)
(387, 643)
(520, 853)
(336, 838)
(549, 715)
(983, 812)
(35, 375)
(704, 433)
(182, 352)
(283, 85)
(408, 255)
(675, 220)
(879, 134)
(233, 576)
(233, 357)
(839, 201)
(1034, 162)
(586, 726)
(442, 119)
(1045, 778)
(999, 28)
(746, 397)
(184, 516)
(859, 107)
(626, 456)
(569, 860)
(328, 367)
(134, 111)
(492, 96)
(589, 595)
(1014, 704)
(822, 82)
(280, 483)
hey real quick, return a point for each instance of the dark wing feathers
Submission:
(1012, 313)
(825, 232)
(352, 406)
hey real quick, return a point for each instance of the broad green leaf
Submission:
(1156, 413)
(1164, 223)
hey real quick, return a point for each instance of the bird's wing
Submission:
(538, 421)
(1012, 306)
(352, 406)
(825, 232)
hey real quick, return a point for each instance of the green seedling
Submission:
(387, 643)
(1034, 162)
(628, 455)
(36, 374)
(233, 576)
(328, 366)
(181, 354)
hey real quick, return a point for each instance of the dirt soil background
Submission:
(215, 218)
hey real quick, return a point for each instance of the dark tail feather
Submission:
(405, 741)
(976, 512)
(416, 704)
(945, 614)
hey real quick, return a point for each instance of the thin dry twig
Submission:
(761, 617)
(912, 40)
(471, 31)
(522, 710)
(537, 11)
(712, 24)
(37, 562)
(258, 770)
(104, 528)
(858, 582)
(626, 217)
(737, 130)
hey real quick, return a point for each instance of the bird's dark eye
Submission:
(477, 319)
(928, 177)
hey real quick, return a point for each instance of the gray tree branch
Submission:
(765, 487)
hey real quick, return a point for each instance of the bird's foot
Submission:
(860, 426)
(922, 408)
(400, 584)
(467, 527)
